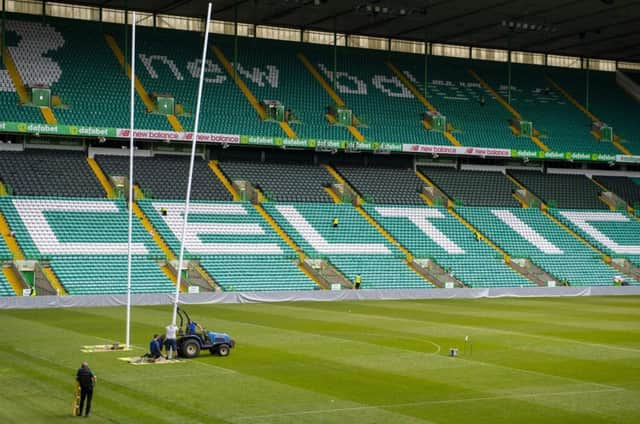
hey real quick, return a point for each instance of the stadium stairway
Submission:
(215, 168)
(577, 104)
(102, 178)
(509, 107)
(235, 76)
(414, 90)
(9, 239)
(609, 198)
(12, 279)
(12, 69)
(624, 188)
(434, 196)
(331, 92)
(146, 223)
(142, 93)
(52, 278)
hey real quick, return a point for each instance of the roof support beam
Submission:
(515, 18)
(327, 17)
(454, 18)
(595, 41)
(283, 13)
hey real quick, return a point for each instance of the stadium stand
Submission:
(607, 101)
(458, 96)
(539, 102)
(473, 188)
(561, 191)
(169, 65)
(85, 241)
(166, 177)
(388, 110)
(354, 247)
(247, 273)
(272, 70)
(282, 182)
(614, 232)
(56, 209)
(434, 233)
(51, 53)
(108, 274)
(626, 188)
(5, 287)
(384, 185)
(391, 113)
(527, 233)
(233, 244)
(37, 172)
(10, 102)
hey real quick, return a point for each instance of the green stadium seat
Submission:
(166, 177)
(561, 191)
(473, 188)
(384, 185)
(282, 182)
(434, 233)
(354, 247)
(232, 242)
(528, 233)
(539, 102)
(85, 241)
(38, 172)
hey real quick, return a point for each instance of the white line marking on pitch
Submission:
(223, 369)
(494, 330)
(426, 402)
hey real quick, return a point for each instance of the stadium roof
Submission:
(606, 29)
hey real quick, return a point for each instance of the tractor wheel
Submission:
(190, 349)
(223, 350)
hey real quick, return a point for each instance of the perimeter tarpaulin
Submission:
(31, 302)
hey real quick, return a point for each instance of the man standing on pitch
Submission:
(87, 380)
(170, 341)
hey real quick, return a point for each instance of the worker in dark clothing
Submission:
(155, 347)
(87, 380)
(357, 281)
(482, 101)
(335, 222)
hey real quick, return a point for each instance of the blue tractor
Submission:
(192, 339)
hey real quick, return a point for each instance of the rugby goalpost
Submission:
(189, 181)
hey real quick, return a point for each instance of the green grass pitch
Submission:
(548, 360)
